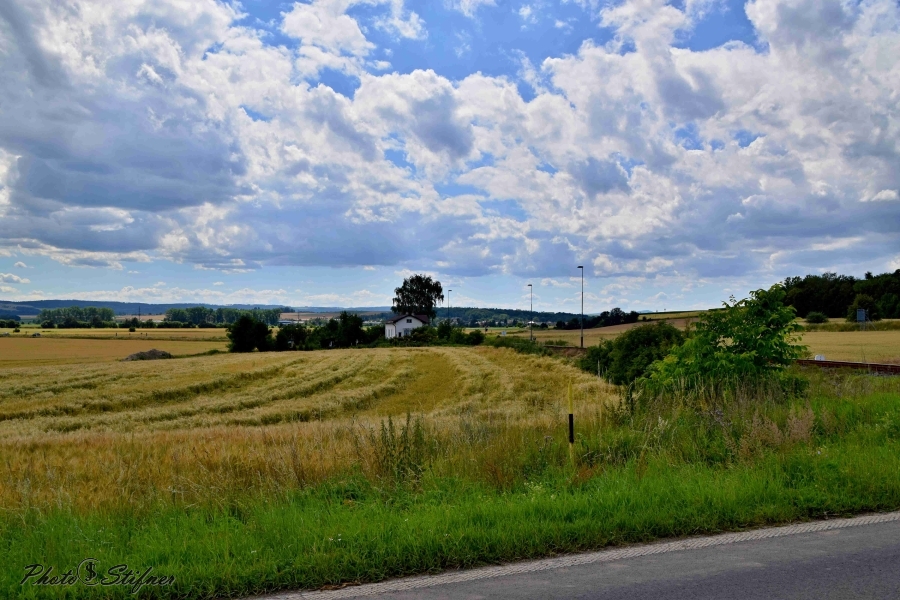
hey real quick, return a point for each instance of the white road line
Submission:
(587, 558)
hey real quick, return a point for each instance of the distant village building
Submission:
(402, 325)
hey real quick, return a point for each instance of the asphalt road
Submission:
(860, 561)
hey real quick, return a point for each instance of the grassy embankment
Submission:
(240, 474)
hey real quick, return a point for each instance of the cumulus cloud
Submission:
(153, 130)
(10, 278)
(331, 38)
(20, 265)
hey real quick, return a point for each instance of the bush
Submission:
(444, 330)
(629, 356)
(475, 338)
(248, 334)
(131, 329)
(746, 339)
(815, 317)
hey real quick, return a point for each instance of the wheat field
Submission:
(82, 435)
(24, 351)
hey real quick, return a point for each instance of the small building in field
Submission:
(403, 325)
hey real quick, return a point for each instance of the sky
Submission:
(315, 153)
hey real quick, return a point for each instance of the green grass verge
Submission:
(350, 531)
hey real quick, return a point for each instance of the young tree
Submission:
(747, 338)
(418, 295)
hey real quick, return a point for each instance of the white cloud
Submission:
(331, 38)
(528, 14)
(7, 290)
(550, 282)
(219, 283)
(20, 265)
(10, 278)
(886, 195)
(469, 7)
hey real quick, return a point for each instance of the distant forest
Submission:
(838, 295)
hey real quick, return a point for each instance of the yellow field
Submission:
(91, 433)
(856, 346)
(21, 351)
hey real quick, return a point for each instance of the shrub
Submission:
(749, 338)
(423, 335)
(131, 329)
(817, 317)
(475, 338)
(629, 356)
(247, 334)
(444, 330)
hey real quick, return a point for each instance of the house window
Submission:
(409, 320)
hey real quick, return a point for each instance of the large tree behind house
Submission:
(418, 295)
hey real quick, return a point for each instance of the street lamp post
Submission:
(531, 317)
(582, 305)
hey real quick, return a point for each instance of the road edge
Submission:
(404, 584)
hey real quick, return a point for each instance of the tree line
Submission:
(248, 333)
(838, 296)
(198, 315)
(77, 317)
(616, 316)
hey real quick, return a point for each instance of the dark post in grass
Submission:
(582, 305)
(571, 427)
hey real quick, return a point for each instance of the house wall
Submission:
(392, 330)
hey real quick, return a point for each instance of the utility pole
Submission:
(582, 304)
(531, 318)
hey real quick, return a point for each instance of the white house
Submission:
(402, 325)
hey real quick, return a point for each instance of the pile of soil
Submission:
(149, 355)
